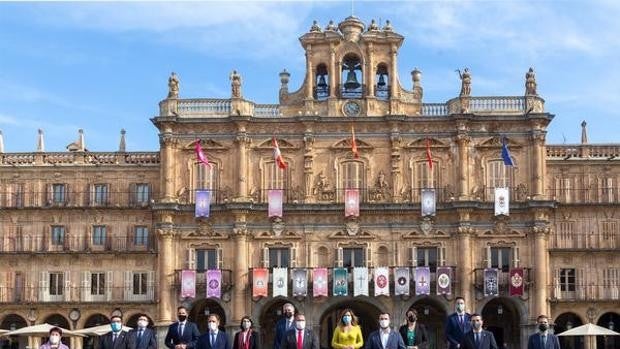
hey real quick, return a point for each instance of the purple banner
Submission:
(203, 203)
(422, 280)
(491, 282)
(444, 280)
(214, 283)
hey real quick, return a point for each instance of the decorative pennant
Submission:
(260, 279)
(280, 282)
(203, 203)
(516, 282)
(214, 283)
(300, 282)
(382, 281)
(444, 280)
(422, 281)
(352, 203)
(275, 202)
(401, 278)
(188, 283)
(502, 201)
(360, 281)
(428, 202)
(341, 285)
(491, 282)
(319, 282)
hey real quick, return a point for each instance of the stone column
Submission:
(396, 168)
(333, 71)
(242, 141)
(394, 93)
(540, 266)
(240, 270)
(308, 162)
(464, 269)
(463, 141)
(309, 73)
(167, 144)
(370, 76)
(166, 274)
(539, 169)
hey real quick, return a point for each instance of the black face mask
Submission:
(543, 327)
(412, 318)
(182, 317)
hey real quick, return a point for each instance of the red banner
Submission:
(260, 282)
(351, 203)
(319, 282)
(188, 283)
(516, 282)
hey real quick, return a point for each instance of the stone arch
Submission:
(566, 321)
(57, 320)
(267, 312)
(432, 312)
(96, 319)
(13, 322)
(132, 320)
(200, 310)
(609, 320)
(503, 317)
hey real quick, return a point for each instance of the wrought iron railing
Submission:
(84, 243)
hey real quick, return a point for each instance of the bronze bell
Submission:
(351, 83)
(322, 83)
(381, 82)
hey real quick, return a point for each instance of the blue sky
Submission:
(104, 66)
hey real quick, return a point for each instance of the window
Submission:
(279, 257)
(567, 279)
(99, 235)
(427, 257)
(143, 193)
(139, 283)
(499, 175)
(141, 237)
(205, 177)
(58, 193)
(58, 235)
(97, 284)
(353, 257)
(100, 194)
(206, 259)
(15, 195)
(352, 175)
(500, 258)
(56, 284)
(276, 177)
(426, 178)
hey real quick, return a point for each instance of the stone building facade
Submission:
(85, 234)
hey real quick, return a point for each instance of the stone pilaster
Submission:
(462, 141)
(395, 160)
(540, 267)
(166, 274)
(240, 269)
(168, 164)
(538, 173)
(242, 141)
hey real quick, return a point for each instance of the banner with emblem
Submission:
(260, 282)
(351, 202)
(428, 202)
(300, 282)
(341, 285)
(491, 282)
(203, 203)
(214, 283)
(274, 196)
(516, 282)
(188, 283)
(319, 282)
(422, 281)
(401, 281)
(502, 199)
(360, 281)
(444, 280)
(382, 281)
(280, 282)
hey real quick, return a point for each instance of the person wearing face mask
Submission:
(142, 337)
(286, 323)
(116, 338)
(213, 338)
(413, 332)
(300, 337)
(543, 339)
(478, 338)
(54, 342)
(384, 337)
(348, 334)
(182, 334)
(247, 338)
(457, 325)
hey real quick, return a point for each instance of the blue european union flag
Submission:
(506, 154)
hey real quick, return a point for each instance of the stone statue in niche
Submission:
(322, 189)
(521, 192)
(381, 191)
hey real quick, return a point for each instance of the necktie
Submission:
(477, 340)
(300, 339)
(181, 328)
(114, 336)
(212, 339)
(140, 333)
(544, 340)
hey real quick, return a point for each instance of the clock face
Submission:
(351, 108)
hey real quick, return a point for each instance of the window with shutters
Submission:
(206, 259)
(279, 257)
(56, 284)
(59, 194)
(275, 178)
(499, 175)
(609, 230)
(143, 193)
(352, 177)
(15, 195)
(205, 177)
(99, 235)
(567, 280)
(100, 194)
(425, 177)
(427, 257)
(97, 283)
(141, 235)
(140, 282)
(500, 258)
(353, 257)
(58, 235)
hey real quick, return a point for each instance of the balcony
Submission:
(81, 199)
(77, 244)
(75, 294)
(584, 241)
(82, 158)
(593, 292)
(503, 282)
(201, 282)
(595, 195)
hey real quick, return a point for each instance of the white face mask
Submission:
(212, 326)
(384, 323)
(246, 325)
(54, 339)
(300, 325)
(142, 324)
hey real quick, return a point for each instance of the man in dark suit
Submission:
(457, 325)
(300, 337)
(478, 338)
(284, 324)
(115, 339)
(543, 339)
(142, 337)
(182, 334)
(213, 338)
(385, 337)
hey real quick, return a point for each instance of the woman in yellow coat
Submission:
(348, 334)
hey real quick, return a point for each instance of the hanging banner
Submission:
(444, 280)
(422, 280)
(260, 282)
(502, 199)
(401, 278)
(300, 282)
(382, 281)
(428, 202)
(341, 285)
(203, 203)
(491, 282)
(214, 283)
(351, 203)
(360, 281)
(274, 197)
(188, 283)
(516, 282)
(319, 282)
(280, 282)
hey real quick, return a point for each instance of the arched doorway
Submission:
(13, 322)
(432, 315)
(366, 312)
(502, 318)
(611, 321)
(92, 321)
(133, 320)
(564, 322)
(60, 321)
(268, 318)
(201, 310)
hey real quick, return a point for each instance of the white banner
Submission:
(360, 281)
(428, 202)
(382, 281)
(280, 282)
(502, 199)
